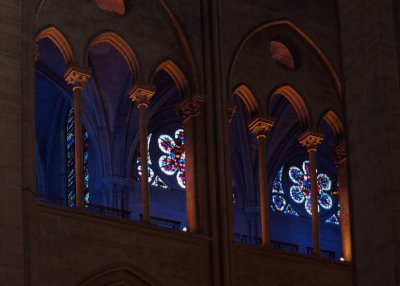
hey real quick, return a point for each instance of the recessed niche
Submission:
(282, 55)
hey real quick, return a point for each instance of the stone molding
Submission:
(230, 111)
(311, 140)
(190, 107)
(340, 153)
(142, 94)
(260, 126)
(77, 75)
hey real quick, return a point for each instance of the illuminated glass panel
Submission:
(71, 161)
(173, 162)
(301, 190)
(153, 179)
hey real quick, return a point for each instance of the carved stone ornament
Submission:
(230, 111)
(340, 153)
(190, 107)
(311, 140)
(77, 75)
(142, 93)
(260, 126)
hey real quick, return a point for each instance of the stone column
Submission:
(190, 109)
(260, 127)
(311, 140)
(77, 76)
(142, 94)
(341, 163)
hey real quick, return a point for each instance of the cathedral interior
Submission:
(216, 142)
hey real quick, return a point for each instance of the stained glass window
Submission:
(70, 138)
(173, 160)
(170, 163)
(300, 192)
(279, 203)
(154, 180)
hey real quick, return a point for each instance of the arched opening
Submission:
(107, 105)
(52, 104)
(246, 212)
(289, 185)
(166, 155)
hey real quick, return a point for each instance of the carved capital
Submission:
(77, 75)
(230, 111)
(142, 93)
(190, 107)
(340, 153)
(260, 126)
(311, 140)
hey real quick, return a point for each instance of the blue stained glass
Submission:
(71, 161)
(289, 210)
(301, 190)
(159, 183)
(174, 159)
(333, 219)
(279, 202)
(277, 186)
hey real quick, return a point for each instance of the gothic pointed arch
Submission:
(59, 40)
(248, 98)
(334, 123)
(120, 275)
(303, 36)
(296, 100)
(175, 73)
(187, 52)
(122, 47)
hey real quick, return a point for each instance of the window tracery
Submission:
(300, 192)
(171, 162)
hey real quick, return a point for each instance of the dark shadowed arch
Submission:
(59, 40)
(118, 276)
(296, 100)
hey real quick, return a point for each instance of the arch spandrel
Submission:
(278, 27)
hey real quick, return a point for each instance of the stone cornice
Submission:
(260, 126)
(142, 93)
(311, 140)
(77, 75)
(190, 107)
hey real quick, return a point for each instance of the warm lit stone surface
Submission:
(114, 6)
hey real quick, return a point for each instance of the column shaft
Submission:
(312, 154)
(78, 142)
(143, 163)
(262, 172)
(344, 210)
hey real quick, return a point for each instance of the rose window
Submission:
(296, 189)
(173, 160)
(300, 192)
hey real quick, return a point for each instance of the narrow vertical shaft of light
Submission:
(312, 154)
(143, 163)
(263, 189)
(78, 141)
